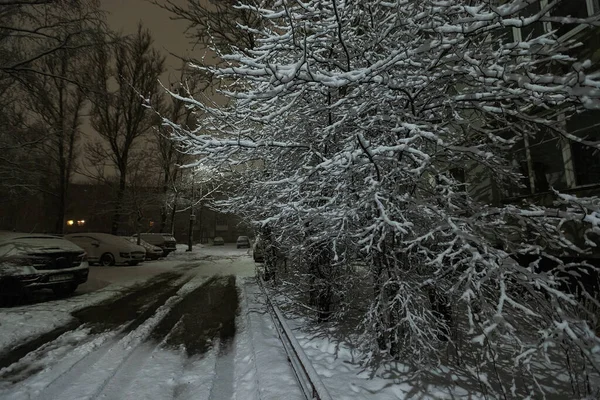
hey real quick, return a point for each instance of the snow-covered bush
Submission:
(365, 116)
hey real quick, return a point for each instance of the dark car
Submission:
(30, 261)
(152, 252)
(243, 242)
(165, 241)
(218, 241)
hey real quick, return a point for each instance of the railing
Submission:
(309, 380)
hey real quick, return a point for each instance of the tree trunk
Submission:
(173, 212)
(116, 220)
(138, 228)
(385, 289)
(191, 230)
(163, 218)
(61, 209)
(269, 254)
(163, 207)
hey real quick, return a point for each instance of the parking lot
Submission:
(177, 317)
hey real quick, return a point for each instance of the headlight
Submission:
(124, 255)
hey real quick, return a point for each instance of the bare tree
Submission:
(42, 92)
(33, 30)
(170, 157)
(126, 76)
(214, 23)
(56, 98)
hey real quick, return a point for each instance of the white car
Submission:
(31, 261)
(152, 252)
(106, 249)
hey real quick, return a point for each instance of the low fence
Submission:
(309, 380)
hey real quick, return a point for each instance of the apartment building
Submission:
(548, 160)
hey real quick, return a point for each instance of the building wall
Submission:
(91, 207)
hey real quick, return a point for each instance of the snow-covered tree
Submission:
(373, 122)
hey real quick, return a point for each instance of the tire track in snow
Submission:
(186, 340)
(133, 367)
(62, 359)
(112, 352)
(222, 387)
(171, 350)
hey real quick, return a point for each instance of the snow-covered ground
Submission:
(153, 359)
(338, 366)
(22, 323)
(261, 367)
(160, 356)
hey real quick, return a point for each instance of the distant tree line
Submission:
(79, 100)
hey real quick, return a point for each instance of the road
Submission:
(195, 330)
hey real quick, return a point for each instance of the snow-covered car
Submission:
(106, 249)
(165, 241)
(218, 241)
(243, 242)
(152, 252)
(31, 261)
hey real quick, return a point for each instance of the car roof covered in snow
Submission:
(8, 235)
(13, 243)
(105, 237)
(143, 243)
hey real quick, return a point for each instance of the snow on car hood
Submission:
(143, 243)
(14, 244)
(115, 241)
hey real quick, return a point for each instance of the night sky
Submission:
(168, 34)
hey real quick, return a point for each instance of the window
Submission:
(531, 30)
(548, 168)
(565, 8)
(535, 29)
(586, 159)
(574, 9)
(221, 223)
(587, 164)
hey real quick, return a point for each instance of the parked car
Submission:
(152, 252)
(258, 250)
(243, 242)
(106, 249)
(32, 261)
(218, 241)
(165, 241)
